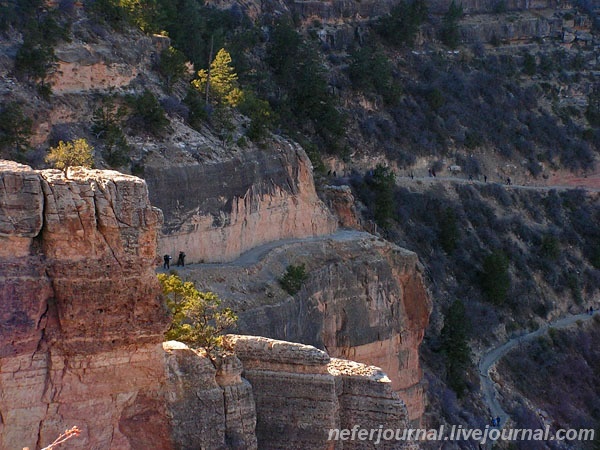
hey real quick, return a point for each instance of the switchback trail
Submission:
(490, 391)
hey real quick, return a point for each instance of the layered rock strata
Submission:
(82, 318)
(364, 299)
(219, 208)
(81, 329)
(209, 408)
(290, 379)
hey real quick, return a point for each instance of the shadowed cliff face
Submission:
(217, 209)
(82, 319)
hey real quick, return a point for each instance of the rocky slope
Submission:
(218, 199)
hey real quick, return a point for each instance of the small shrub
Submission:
(550, 247)
(199, 319)
(529, 64)
(70, 154)
(293, 278)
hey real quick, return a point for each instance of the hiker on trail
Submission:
(508, 182)
(429, 170)
(433, 173)
(498, 421)
(485, 178)
(166, 259)
(181, 259)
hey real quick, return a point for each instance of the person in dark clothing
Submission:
(181, 259)
(166, 259)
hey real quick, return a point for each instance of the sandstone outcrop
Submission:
(82, 319)
(220, 207)
(209, 408)
(101, 65)
(340, 200)
(364, 300)
(290, 379)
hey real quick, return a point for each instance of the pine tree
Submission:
(221, 82)
(495, 278)
(15, 128)
(455, 347)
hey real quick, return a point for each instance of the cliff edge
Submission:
(81, 334)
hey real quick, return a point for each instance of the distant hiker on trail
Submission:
(181, 259)
(498, 421)
(167, 259)
(429, 170)
(508, 182)
(485, 178)
(433, 173)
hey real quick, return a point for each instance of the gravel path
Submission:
(254, 255)
(405, 181)
(490, 389)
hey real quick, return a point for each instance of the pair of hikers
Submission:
(180, 260)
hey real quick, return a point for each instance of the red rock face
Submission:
(268, 196)
(81, 321)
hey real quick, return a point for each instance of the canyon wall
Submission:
(289, 379)
(219, 208)
(81, 330)
(364, 299)
(82, 318)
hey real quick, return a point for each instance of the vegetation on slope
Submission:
(564, 364)
(499, 260)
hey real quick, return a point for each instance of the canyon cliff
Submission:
(82, 330)
(364, 299)
(82, 316)
(267, 195)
